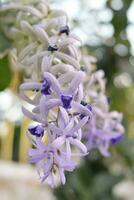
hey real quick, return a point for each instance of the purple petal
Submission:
(117, 139)
(29, 114)
(108, 135)
(79, 125)
(54, 83)
(58, 142)
(55, 129)
(68, 165)
(78, 144)
(104, 151)
(69, 126)
(77, 107)
(45, 176)
(45, 106)
(35, 155)
(63, 118)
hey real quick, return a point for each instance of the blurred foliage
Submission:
(91, 181)
(5, 43)
(5, 73)
(5, 70)
(111, 61)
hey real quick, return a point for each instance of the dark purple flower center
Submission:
(45, 88)
(52, 48)
(66, 101)
(83, 103)
(38, 130)
(83, 68)
(88, 106)
(82, 116)
(117, 139)
(65, 29)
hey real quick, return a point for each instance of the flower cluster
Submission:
(63, 94)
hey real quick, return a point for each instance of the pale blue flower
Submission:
(101, 138)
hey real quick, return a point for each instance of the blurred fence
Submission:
(14, 144)
(13, 141)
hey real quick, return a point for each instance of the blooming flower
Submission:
(55, 156)
(67, 98)
(68, 133)
(101, 138)
(66, 95)
(49, 161)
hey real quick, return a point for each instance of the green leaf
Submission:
(5, 73)
(5, 43)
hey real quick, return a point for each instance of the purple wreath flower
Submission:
(65, 98)
(50, 160)
(69, 132)
(101, 138)
(61, 97)
(51, 85)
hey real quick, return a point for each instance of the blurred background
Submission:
(106, 28)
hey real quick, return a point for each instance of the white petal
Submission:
(66, 78)
(30, 86)
(27, 50)
(61, 68)
(42, 35)
(46, 63)
(67, 59)
(104, 151)
(26, 27)
(76, 82)
(62, 176)
(32, 10)
(68, 149)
